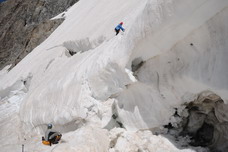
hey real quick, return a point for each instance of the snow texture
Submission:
(95, 98)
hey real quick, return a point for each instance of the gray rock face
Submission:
(206, 123)
(24, 24)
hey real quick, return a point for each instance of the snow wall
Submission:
(170, 53)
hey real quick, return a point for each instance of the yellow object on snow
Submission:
(46, 142)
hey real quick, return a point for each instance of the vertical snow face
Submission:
(10, 100)
(178, 57)
(162, 24)
(200, 58)
(193, 64)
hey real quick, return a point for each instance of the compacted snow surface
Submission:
(116, 93)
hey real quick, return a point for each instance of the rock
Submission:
(25, 24)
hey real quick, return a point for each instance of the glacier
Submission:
(116, 93)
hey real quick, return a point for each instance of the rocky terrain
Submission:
(24, 24)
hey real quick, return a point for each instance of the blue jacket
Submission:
(118, 27)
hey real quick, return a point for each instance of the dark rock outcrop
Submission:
(24, 24)
(204, 122)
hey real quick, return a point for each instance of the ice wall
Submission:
(181, 55)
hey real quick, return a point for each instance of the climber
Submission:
(51, 136)
(118, 28)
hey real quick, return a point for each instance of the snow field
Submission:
(80, 94)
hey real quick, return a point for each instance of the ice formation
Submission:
(117, 92)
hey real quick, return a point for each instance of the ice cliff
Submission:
(164, 79)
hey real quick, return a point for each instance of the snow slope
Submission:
(81, 94)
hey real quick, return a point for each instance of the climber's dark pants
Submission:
(55, 139)
(117, 31)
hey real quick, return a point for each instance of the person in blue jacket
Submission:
(118, 28)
